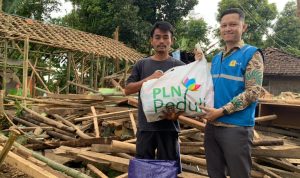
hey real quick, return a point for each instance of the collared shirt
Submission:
(253, 84)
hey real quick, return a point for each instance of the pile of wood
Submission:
(98, 132)
(282, 98)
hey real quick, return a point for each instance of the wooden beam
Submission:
(133, 122)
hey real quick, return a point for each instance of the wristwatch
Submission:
(225, 112)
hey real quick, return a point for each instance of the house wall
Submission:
(277, 84)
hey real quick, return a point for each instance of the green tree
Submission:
(171, 10)
(134, 18)
(259, 14)
(37, 9)
(287, 30)
(102, 17)
(189, 32)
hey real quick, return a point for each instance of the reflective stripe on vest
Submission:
(229, 77)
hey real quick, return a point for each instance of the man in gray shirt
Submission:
(161, 135)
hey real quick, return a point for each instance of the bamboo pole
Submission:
(25, 67)
(12, 137)
(103, 115)
(47, 101)
(82, 74)
(48, 121)
(5, 65)
(70, 55)
(44, 91)
(125, 73)
(82, 86)
(38, 76)
(59, 167)
(96, 74)
(2, 94)
(95, 121)
(68, 123)
(92, 63)
(103, 72)
(35, 63)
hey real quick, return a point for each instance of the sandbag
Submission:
(145, 168)
(183, 88)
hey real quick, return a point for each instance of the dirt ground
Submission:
(7, 171)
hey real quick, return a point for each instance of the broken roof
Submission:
(62, 37)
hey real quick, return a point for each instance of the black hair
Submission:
(233, 11)
(163, 26)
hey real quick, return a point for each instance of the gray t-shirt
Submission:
(142, 69)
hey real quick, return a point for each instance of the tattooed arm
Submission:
(253, 85)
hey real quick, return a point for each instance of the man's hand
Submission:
(198, 54)
(170, 114)
(212, 113)
(156, 74)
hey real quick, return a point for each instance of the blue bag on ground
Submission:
(145, 168)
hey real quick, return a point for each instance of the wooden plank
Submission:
(76, 97)
(26, 166)
(133, 122)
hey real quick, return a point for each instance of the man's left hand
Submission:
(212, 113)
(170, 114)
